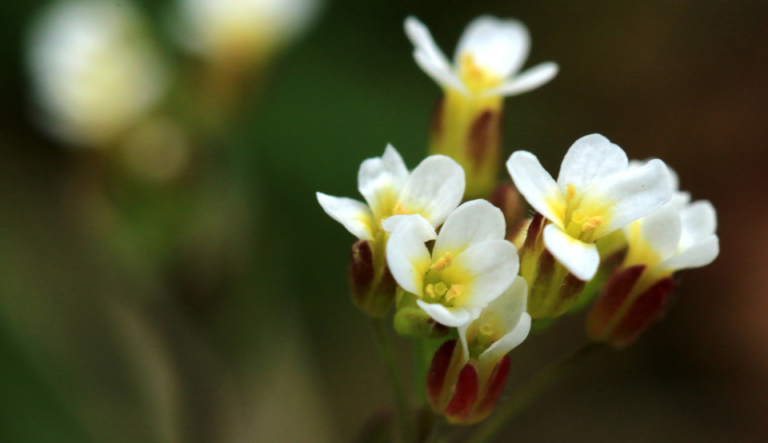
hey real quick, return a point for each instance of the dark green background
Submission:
(90, 352)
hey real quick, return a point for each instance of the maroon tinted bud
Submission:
(438, 370)
(645, 311)
(361, 271)
(496, 383)
(483, 138)
(602, 318)
(464, 396)
(534, 232)
(506, 198)
(372, 289)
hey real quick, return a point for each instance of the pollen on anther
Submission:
(592, 223)
(570, 193)
(454, 292)
(399, 209)
(442, 263)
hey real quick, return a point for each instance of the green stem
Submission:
(437, 432)
(526, 395)
(398, 393)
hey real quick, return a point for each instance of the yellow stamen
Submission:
(486, 329)
(440, 289)
(592, 223)
(399, 209)
(570, 194)
(442, 263)
(429, 291)
(454, 292)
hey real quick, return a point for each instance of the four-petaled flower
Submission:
(470, 265)
(432, 190)
(595, 194)
(488, 58)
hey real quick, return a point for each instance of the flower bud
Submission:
(463, 393)
(468, 129)
(372, 287)
(506, 198)
(627, 307)
(553, 289)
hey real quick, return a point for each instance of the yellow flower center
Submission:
(474, 77)
(444, 287)
(581, 220)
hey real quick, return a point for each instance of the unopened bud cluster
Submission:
(606, 228)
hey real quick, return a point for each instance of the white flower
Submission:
(470, 265)
(95, 73)
(432, 190)
(501, 327)
(679, 235)
(595, 194)
(488, 58)
(216, 27)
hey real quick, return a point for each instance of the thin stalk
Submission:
(398, 392)
(526, 395)
(437, 433)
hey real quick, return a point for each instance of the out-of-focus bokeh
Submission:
(176, 280)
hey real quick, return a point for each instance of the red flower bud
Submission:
(621, 314)
(371, 285)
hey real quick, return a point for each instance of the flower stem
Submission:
(526, 395)
(398, 392)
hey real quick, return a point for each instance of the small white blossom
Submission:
(679, 235)
(487, 61)
(432, 190)
(95, 73)
(470, 265)
(226, 27)
(595, 194)
(501, 327)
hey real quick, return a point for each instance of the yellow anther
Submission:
(592, 223)
(429, 291)
(399, 209)
(454, 292)
(486, 329)
(570, 193)
(578, 216)
(442, 263)
(440, 289)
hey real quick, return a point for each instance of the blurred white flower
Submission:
(487, 61)
(94, 70)
(242, 28)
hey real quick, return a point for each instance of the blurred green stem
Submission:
(398, 392)
(526, 395)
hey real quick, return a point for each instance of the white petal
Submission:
(537, 186)
(699, 222)
(696, 256)
(679, 199)
(428, 55)
(474, 222)
(451, 317)
(509, 306)
(590, 159)
(380, 179)
(486, 269)
(507, 343)
(443, 77)
(673, 177)
(629, 195)
(582, 259)
(499, 46)
(526, 81)
(434, 189)
(354, 215)
(422, 39)
(407, 256)
(662, 229)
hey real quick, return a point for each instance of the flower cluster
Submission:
(460, 270)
